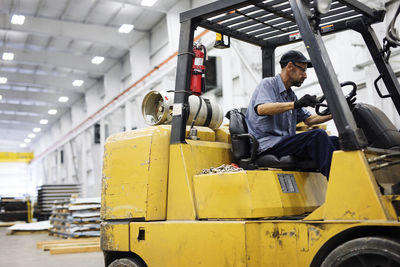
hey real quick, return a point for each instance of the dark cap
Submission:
(294, 56)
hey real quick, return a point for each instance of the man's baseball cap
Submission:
(294, 56)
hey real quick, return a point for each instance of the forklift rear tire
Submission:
(365, 251)
(126, 262)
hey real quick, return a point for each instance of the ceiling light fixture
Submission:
(8, 56)
(27, 140)
(97, 60)
(31, 135)
(3, 79)
(148, 2)
(52, 111)
(77, 83)
(18, 19)
(43, 121)
(36, 130)
(22, 145)
(1, 97)
(126, 28)
(63, 99)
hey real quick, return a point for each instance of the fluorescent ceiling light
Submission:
(18, 19)
(36, 130)
(31, 135)
(8, 56)
(44, 121)
(63, 99)
(1, 97)
(97, 60)
(148, 2)
(22, 145)
(3, 79)
(126, 28)
(77, 83)
(27, 140)
(52, 111)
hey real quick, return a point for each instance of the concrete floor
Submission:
(20, 250)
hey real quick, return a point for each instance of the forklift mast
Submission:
(272, 23)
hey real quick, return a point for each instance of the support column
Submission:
(128, 116)
(182, 83)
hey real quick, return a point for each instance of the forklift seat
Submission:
(378, 129)
(245, 145)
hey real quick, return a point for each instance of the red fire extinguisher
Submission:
(197, 81)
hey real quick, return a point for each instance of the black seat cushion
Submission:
(244, 152)
(286, 162)
(378, 129)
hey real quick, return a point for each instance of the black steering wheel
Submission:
(350, 98)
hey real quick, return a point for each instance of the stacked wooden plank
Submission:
(70, 245)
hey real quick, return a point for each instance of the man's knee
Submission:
(319, 132)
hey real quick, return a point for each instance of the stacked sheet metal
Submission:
(48, 194)
(79, 217)
(85, 217)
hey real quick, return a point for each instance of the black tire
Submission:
(365, 252)
(127, 262)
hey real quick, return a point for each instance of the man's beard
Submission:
(298, 83)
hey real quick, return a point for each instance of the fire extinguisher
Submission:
(197, 80)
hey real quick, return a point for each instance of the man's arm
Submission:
(316, 119)
(274, 108)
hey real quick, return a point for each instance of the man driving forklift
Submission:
(274, 111)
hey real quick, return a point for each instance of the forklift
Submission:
(161, 208)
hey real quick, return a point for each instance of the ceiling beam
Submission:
(62, 83)
(32, 120)
(14, 126)
(7, 92)
(86, 32)
(40, 110)
(64, 60)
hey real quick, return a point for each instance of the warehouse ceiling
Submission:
(46, 55)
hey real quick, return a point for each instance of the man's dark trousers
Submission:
(315, 145)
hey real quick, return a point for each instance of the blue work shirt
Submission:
(270, 129)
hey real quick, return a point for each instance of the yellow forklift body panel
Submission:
(234, 243)
(257, 194)
(135, 174)
(353, 192)
(187, 160)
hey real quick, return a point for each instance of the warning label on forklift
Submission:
(288, 183)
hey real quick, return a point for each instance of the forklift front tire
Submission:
(365, 251)
(127, 262)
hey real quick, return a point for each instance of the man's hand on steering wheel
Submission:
(350, 99)
(306, 101)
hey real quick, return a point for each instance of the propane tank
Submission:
(157, 109)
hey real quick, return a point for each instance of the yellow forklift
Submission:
(165, 204)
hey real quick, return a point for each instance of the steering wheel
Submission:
(350, 98)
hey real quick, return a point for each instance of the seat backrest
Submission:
(237, 125)
(378, 129)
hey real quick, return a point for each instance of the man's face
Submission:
(297, 73)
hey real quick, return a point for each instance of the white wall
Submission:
(15, 180)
